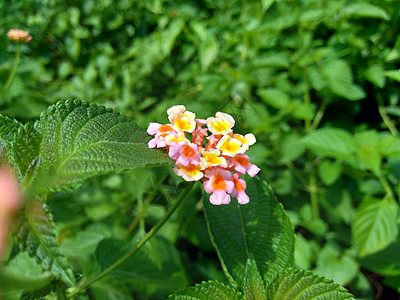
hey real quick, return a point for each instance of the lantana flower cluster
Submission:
(207, 150)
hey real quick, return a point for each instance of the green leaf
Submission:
(365, 10)
(336, 264)
(386, 261)
(23, 273)
(81, 140)
(300, 284)
(332, 142)
(389, 146)
(376, 75)
(36, 234)
(210, 290)
(340, 79)
(329, 171)
(375, 225)
(254, 284)
(157, 262)
(274, 97)
(8, 131)
(260, 230)
(393, 74)
(266, 4)
(25, 152)
(368, 150)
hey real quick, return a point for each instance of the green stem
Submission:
(386, 119)
(139, 245)
(319, 115)
(139, 216)
(387, 187)
(14, 69)
(313, 190)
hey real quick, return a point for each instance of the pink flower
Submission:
(161, 131)
(219, 185)
(184, 153)
(239, 189)
(242, 165)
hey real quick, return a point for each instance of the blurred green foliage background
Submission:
(282, 68)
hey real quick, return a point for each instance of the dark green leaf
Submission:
(254, 285)
(260, 229)
(210, 290)
(300, 284)
(81, 140)
(36, 234)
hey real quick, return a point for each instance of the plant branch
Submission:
(136, 248)
(387, 187)
(14, 69)
(386, 119)
(319, 115)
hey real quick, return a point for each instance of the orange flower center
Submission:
(238, 186)
(165, 128)
(190, 170)
(218, 182)
(242, 161)
(188, 151)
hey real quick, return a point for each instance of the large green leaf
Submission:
(260, 230)
(36, 234)
(79, 140)
(375, 225)
(8, 130)
(339, 77)
(300, 284)
(22, 273)
(332, 142)
(254, 288)
(210, 290)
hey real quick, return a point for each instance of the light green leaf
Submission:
(274, 97)
(36, 234)
(291, 147)
(336, 264)
(340, 79)
(266, 4)
(375, 225)
(254, 285)
(210, 290)
(368, 150)
(390, 146)
(208, 52)
(376, 75)
(365, 10)
(22, 273)
(393, 74)
(332, 142)
(260, 230)
(81, 140)
(329, 171)
(299, 284)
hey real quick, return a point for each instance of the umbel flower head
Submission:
(18, 35)
(215, 155)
